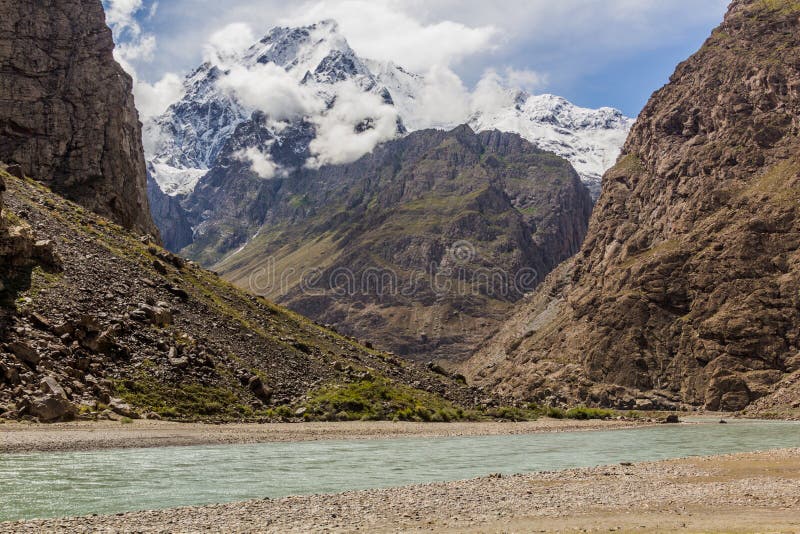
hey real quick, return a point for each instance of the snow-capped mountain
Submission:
(589, 138)
(184, 143)
(223, 94)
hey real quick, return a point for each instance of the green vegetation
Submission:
(183, 401)
(584, 413)
(579, 412)
(299, 201)
(379, 399)
(508, 413)
(782, 6)
(628, 165)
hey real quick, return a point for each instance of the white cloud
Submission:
(140, 49)
(379, 29)
(120, 15)
(491, 93)
(526, 79)
(355, 124)
(443, 101)
(270, 89)
(135, 47)
(260, 162)
(228, 42)
(154, 99)
(151, 99)
(153, 10)
(572, 40)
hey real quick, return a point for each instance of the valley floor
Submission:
(754, 492)
(76, 436)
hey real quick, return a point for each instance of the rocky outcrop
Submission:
(67, 114)
(686, 289)
(170, 217)
(421, 247)
(19, 250)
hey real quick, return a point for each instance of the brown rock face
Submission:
(687, 289)
(67, 114)
(422, 247)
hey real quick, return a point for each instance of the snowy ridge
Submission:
(186, 141)
(590, 139)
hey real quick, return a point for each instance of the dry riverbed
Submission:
(29, 437)
(753, 492)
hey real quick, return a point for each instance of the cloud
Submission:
(260, 162)
(153, 10)
(270, 89)
(495, 91)
(153, 99)
(134, 47)
(443, 101)
(121, 15)
(526, 79)
(355, 124)
(379, 29)
(581, 44)
(491, 93)
(140, 49)
(228, 42)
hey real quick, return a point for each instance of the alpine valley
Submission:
(322, 293)
(243, 185)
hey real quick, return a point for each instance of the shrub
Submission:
(584, 413)
(378, 398)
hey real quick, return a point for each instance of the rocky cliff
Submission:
(67, 115)
(421, 247)
(686, 289)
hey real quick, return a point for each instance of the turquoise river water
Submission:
(39, 485)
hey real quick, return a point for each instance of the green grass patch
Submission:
(182, 401)
(584, 413)
(379, 399)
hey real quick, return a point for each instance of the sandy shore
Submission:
(21, 437)
(755, 492)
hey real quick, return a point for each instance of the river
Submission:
(41, 485)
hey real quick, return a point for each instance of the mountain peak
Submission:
(319, 59)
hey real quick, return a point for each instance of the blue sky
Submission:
(593, 52)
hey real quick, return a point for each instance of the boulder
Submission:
(45, 253)
(258, 388)
(24, 352)
(122, 408)
(50, 408)
(156, 315)
(51, 386)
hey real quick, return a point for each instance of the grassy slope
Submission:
(297, 359)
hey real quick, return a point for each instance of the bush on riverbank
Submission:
(379, 399)
(584, 413)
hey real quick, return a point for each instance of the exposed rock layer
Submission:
(67, 113)
(686, 289)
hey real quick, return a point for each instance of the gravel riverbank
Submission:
(754, 492)
(77, 436)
